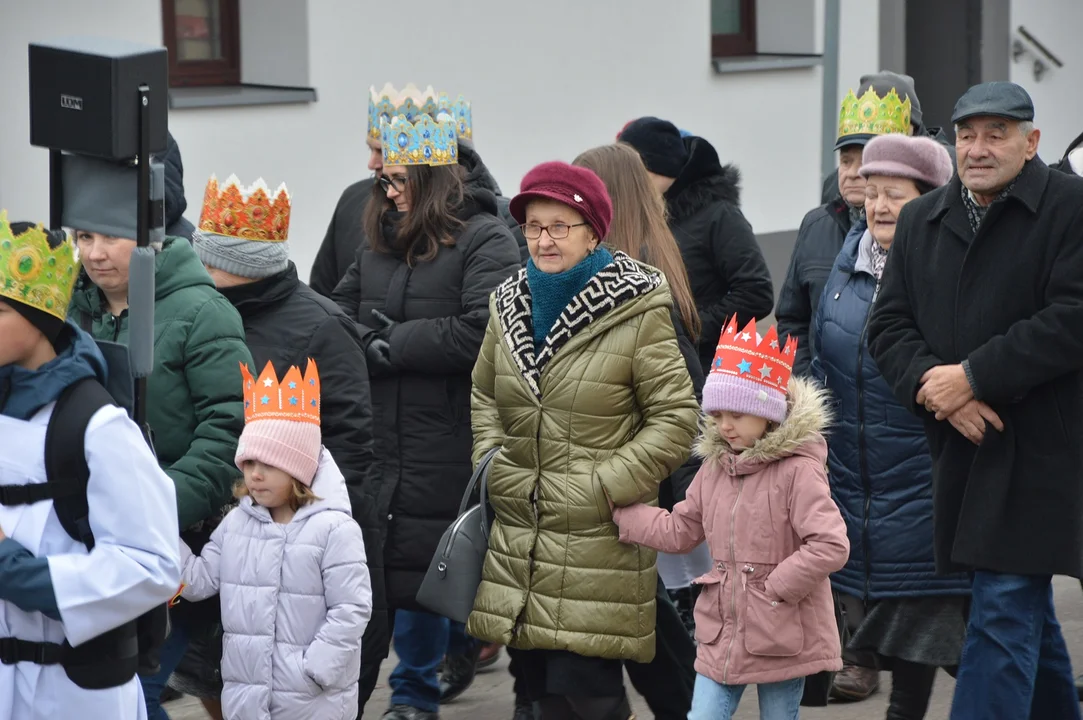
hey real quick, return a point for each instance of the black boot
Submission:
(458, 674)
(911, 688)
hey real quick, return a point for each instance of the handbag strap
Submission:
(481, 472)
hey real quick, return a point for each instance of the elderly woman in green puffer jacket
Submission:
(581, 384)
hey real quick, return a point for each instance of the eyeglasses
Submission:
(557, 231)
(388, 181)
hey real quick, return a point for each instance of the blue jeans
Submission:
(714, 701)
(421, 641)
(1015, 664)
(172, 651)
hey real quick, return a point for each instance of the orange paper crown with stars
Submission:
(251, 213)
(296, 398)
(743, 354)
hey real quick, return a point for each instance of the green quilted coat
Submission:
(194, 404)
(607, 408)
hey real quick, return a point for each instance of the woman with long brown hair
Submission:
(418, 291)
(639, 229)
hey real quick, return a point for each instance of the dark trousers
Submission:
(665, 682)
(1015, 663)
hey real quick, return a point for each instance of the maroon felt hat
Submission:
(576, 187)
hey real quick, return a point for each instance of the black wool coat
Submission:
(421, 409)
(1009, 300)
(726, 268)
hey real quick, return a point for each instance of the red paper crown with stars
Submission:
(295, 398)
(742, 354)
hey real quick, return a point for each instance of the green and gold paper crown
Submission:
(872, 115)
(33, 273)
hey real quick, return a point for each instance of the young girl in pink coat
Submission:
(761, 500)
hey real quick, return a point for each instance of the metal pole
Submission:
(56, 189)
(831, 88)
(142, 241)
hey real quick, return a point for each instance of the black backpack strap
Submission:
(66, 468)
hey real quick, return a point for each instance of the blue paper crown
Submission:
(390, 103)
(422, 142)
(459, 110)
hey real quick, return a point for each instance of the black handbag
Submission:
(452, 581)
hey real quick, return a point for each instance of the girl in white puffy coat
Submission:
(288, 563)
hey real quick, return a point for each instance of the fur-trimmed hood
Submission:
(704, 180)
(800, 434)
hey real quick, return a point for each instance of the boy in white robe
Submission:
(53, 592)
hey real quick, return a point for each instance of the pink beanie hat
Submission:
(750, 375)
(917, 158)
(282, 422)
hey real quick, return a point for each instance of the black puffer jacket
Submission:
(422, 409)
(725, 264)
(345, 232)
(286, 322)
(819, 241)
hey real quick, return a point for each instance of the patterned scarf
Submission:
(879, 259)
(975, 212)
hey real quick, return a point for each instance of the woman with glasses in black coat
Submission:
(418, 290)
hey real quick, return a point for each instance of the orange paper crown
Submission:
(295, 398)
(246, 213)
(744, 355)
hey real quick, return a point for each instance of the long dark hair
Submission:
(436, 195)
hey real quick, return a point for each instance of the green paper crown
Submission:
(35, 274)
(872, 115)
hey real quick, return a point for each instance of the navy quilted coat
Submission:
(878, 459)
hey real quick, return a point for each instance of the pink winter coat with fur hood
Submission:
(765, 613)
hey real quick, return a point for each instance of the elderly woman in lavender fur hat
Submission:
(898, 608)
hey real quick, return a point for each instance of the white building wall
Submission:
(546, 80)
(1058, 104)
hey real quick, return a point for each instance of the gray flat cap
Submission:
(996, 99)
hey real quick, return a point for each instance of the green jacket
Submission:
(611, 412)
(194, 404)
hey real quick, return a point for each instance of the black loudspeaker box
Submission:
(84, 96)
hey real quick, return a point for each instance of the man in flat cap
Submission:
(979, 329)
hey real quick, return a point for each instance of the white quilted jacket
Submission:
(295, 601)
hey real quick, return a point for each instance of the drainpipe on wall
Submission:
(831, 88)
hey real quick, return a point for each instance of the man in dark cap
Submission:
(979, 329)
(726, 268)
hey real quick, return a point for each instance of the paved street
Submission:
(491, 696)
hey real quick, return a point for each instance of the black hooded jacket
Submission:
(725, 265)
(175, 203)
(421, 409)
(345, 232)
